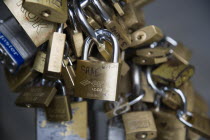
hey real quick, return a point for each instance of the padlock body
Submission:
(139, 125)
(96, 80)
(36, 97)
(55, 51)
(59, 109)
(51, 10)
(38, 30)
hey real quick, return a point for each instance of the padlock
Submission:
(139, 125)
(68, 74)
(39, 62)
(113, 25)
(76, 36)
(146, 36)
(151, 56)
(16, 48)
(59, 108)
(52, 10)
(77, 128)
(55, 52)
(37, 29)
(40, 96)
(96, 79)
(133, 20)
(18, 81)
(173, 73)
(168, 126)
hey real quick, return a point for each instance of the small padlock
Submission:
(39, 62)
(40, 96)
(55, 52)
(38, 30)
(151, 56)
(173, 73)
(76, 36)
(51, 10)
(59, 108)
(96, 79)
(139, 125)
(146, 36)
(18, 81)
(168, 126)
(113, 25)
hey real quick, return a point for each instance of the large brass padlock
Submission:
(51, 10)
(97, 79)
(139, 125)
(59, 108)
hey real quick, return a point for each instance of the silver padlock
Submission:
(98, 79)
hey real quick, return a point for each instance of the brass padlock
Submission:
(37, 29)
(36, 96)
(139, 125)
(151, 56)
(173, 73)
(59, 108)
(51, 10)
(55, 52)
(168, 126)
(146, 36)
(77, 128)
(39, 62)
(76, 36)
(18, 81)
(96, 79)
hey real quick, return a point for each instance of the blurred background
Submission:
(187, 21)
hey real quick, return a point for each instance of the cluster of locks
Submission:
(59, 54)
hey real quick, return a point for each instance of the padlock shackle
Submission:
(82, 19)
(60, 28)
(101, 10)
(60, 83)
(102, 35)
(136, 76)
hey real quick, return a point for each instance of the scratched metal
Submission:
(63, 130)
